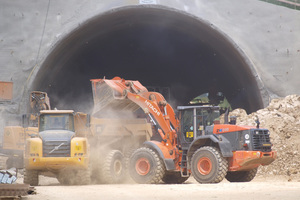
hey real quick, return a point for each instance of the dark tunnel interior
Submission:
(160, 47)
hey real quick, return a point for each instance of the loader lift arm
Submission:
(119, 94)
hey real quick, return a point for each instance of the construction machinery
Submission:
(13, 143)
(56, 147)
(193, 143)
(77, 149)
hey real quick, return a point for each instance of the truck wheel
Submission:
(127, 155)
(174, 178)
(96, 177)
(241, 176)
(113, 170)
(208, 165)
(9, 163)
(15, 162)
(67, 177)
(31, 177)
(146, 167)
(83, 177)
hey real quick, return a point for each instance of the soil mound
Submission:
(282, 118)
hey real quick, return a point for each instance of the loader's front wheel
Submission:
(208, 165)
(114, 167)
(31, 177)
(241, 176)
(146, 167)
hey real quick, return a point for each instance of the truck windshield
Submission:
(56, 122)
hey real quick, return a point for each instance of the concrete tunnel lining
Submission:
(156, 45)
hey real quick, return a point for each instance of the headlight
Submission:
(247, 136)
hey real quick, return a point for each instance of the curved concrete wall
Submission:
(266, 35)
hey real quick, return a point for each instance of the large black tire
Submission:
(146, 167)
(31, 177)
(96, 177)
(208, 165)
(75, 177)
(9, 163)
(83, 176)
(241, 176)
(113, 169)
(174, 178)
(67, 177)
(127, 155)
(96, 168)
(15, 162)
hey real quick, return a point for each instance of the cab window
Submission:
(56, 122)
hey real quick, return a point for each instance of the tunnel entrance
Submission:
(158, 46)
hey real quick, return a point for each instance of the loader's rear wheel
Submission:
(113, 168)
(31, 177)
(241, 176)
(174, 178)
(208, 165)
(146, 167)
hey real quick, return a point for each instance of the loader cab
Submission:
(194, 120)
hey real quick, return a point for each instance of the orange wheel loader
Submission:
(193, 143)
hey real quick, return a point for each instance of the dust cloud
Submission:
(116, 134)
(78, 103)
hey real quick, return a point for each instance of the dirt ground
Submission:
(275, 188)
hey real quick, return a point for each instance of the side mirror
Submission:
(25, 121)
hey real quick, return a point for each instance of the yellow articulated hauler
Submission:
(60, 147)
(77, 149)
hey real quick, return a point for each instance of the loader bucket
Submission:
(111, 95)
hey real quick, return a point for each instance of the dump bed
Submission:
(121, 128)
(14, 137)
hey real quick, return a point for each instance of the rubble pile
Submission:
(282, 118)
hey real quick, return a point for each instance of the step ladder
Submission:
(184, 164)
